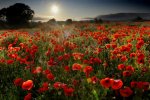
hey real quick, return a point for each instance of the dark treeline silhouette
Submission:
(69, 21)
(52, 21)
(16, 15)
(138, 19)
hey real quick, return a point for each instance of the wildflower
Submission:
(68, 91)
(117, 84)
(133, 84)
(146, 85)
(77, 56)
(60, 58)
(87, 70)
(37, 70)
(50, 76)
(140, 58)
(130, 68)
(51, 62)
(48, 52)
(124, 58)
(126, 92)
(75, 82)
(10, 61)
(108, 46)
(76, 66)
(18, 81)
(27, 85)
(106, 82)
(43, 88)
(67, 68)
(97, 60)
(140, 85)
(94, 79)
(132, 55)
(57, 85)
(127, 73)
(121, 66)
(45, 72)
(28, 96)
(139, 44)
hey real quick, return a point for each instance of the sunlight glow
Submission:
(54, 9)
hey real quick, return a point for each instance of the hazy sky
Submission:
(77, 9)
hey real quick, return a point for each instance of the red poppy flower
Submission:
(57, 85)
(106, 82)
(22, 45)
(87, 70)
(43, 88)
(117, 84)
(146, 85)
(60, 58)
(66, 56)
(140, 58)
(58, 48)
(45, 72)
(28, 96)
(107, 46)
(127, 73)
(77, 56)
(124, 58)
(97, 60)
(2, 60)
(27, 85)
(75, 82)
(76, 66)
(126, 92)
(145, 69)
(18, 81)
(133, 84)
(51, 62)
(68, 91)
(130, 68)
(94, 79)
(140, 85)
(121, 66)
(114, 45)
(45, 84)
(10, 61)
(132, 55)
(13, 56)
(50, 76)
(37, 70)
(67, 68)
(139, 44)
(48, 52)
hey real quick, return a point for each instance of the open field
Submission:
(80, 61)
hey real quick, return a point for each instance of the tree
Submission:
(69, 21)
(18, 14)
(96, 20)
(138, 18)
(52, 21)
(3, 14)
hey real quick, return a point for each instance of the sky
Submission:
(78, 9)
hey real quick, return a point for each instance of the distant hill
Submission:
(124, 16)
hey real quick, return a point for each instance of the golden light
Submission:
(54, 9)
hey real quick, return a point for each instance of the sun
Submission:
(54, 9)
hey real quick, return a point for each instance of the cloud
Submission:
(40, 18)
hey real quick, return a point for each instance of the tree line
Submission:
(17, 14)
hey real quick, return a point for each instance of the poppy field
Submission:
(91, 61)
